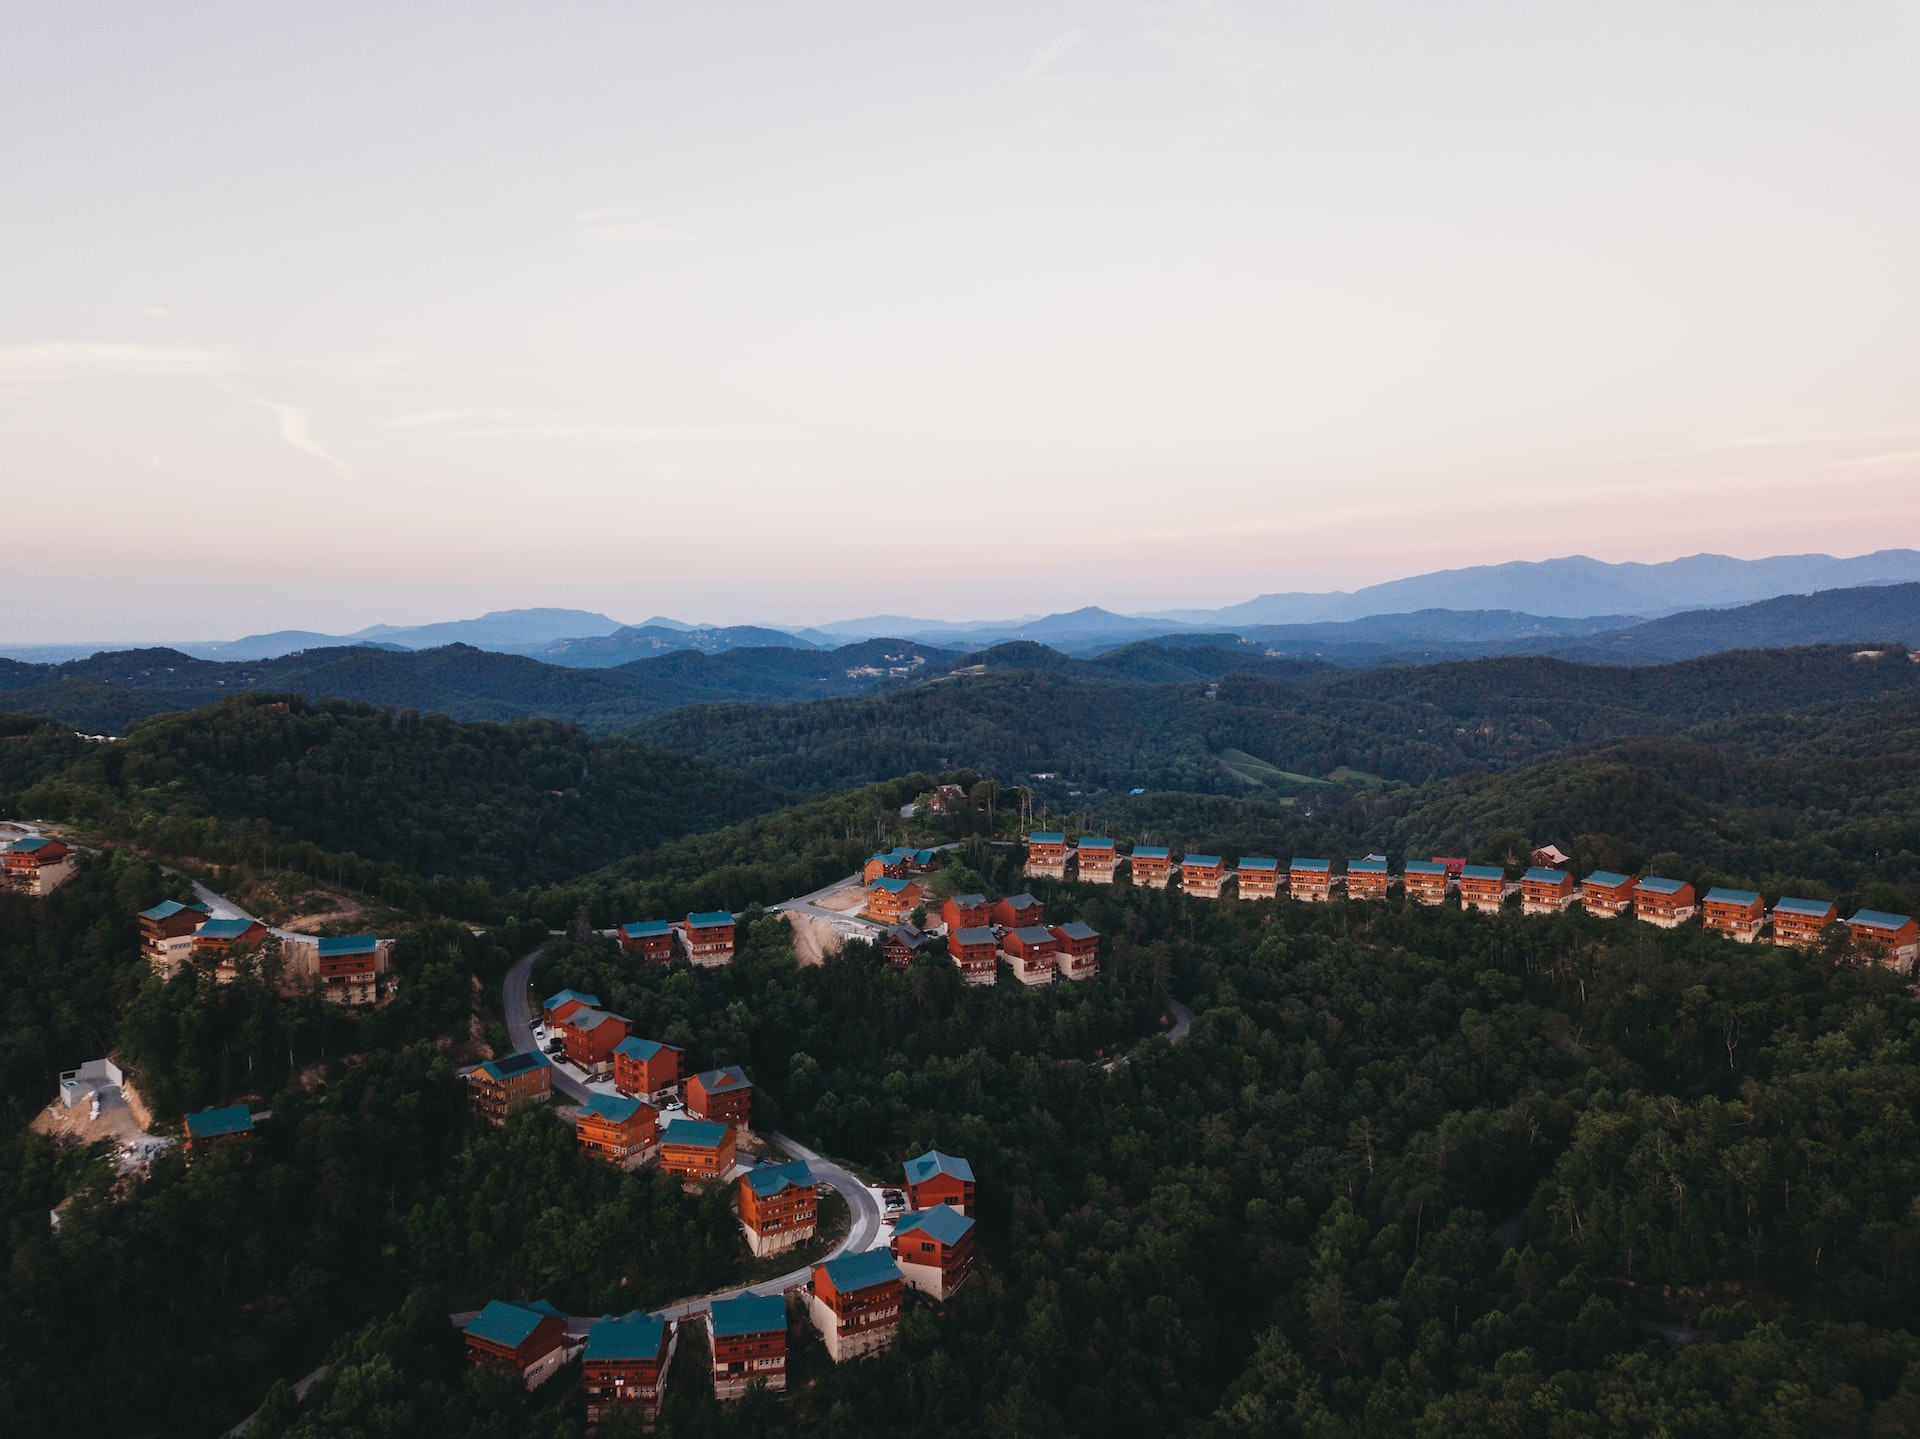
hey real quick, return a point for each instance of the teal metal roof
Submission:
(942, 1222)
(1654, 884)
(891, 886)
(1366, 866)
(934, 1162)
(641, 1049)
(1047, 836)
(168, 908)
(511, 1325)
(1090, 842)
(1311, 866)
(1880, 919)
(1545, 876)
(861, 1271)
(1200, 861)
(554, 1001)
(769, 1179)
(701, 1133)
(1259, 863)
(1425, 866)
(710, 919)
(1149, 851)
(212, 1123)
(1812, 907)
(1717, 895)
(516, 1064)
(748, 1314)
(614, 1108)
(1482, 871)
(588, 1020)
(31, 844)
(1607, 879)
(224, 928)
(348, 944)
(627, 1337)
(647, 929)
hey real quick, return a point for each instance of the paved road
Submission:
(1182, 1020)
(517, 1000)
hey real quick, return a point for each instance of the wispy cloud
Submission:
(296, 428)
(1052, 53)
(502, 424)
(620, 227)
(57, 361)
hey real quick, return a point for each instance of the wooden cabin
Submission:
(350, 965)
(975, 952)
(646, 1068)
(779, 1206)
(1151, 865)
(37, 865)
(1483, 887)
(1549, 856)
(1802, 921)
(221, 943)
(526, 1339)
(166, 934)
(936, 1178)
(966, 911)
(749, 1341)
(724, 1095)
(1668, 903)
(501, 1088)
(1547, 891)
(1076, 953)
(892, 865)
(1310, 880)
(625, 1362)
(1029, 951)
(710, 938)
(1607, 895)
(212, 1128)
(647, 939)
(1095, 860)
(1259, 878)
(1893, 938)
(556, 1007)
(934, 1249)
(1017, 911)
(855, 1303)
(1426, 880)
(892, 900)
(1367, 878)
(901, 943)
(1047, 855)
(1201, 875)
(590, 1036)
(697, 1148)
(1736, 913)
(618, 1127)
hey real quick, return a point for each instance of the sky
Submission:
(318, 316)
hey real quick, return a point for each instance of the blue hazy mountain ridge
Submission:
(1866, 615)
(1577, 586)
(637, 642)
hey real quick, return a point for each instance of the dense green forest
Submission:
(1413, 1171)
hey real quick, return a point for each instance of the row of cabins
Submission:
(37, 865)
(981, 936)
(706, 939)
(349, 969)
(854, 1301)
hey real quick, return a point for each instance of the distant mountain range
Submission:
(1526, 602)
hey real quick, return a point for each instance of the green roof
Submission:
(1880, 919)
(225, 928)
(1425, 866)
(769, 1179)
(641, 1049)
(1607, 879)
(1311, 865)
(942, 1222)
(700, 1133)
(508, 1324)
(1717, 895)
(1200, 861)
(1654, 884)
(710, 919)
(861, 1271)
(516, 1064)
(934, 1162)
(1482, 871)
(1366, 866)
(615, 1107)
(554, 1001)
(646, 929)
(1259, 862)
(1093, 842)
(1149, 851)
(891, 886)
(748, 1314)
(1545, 876)
(632, 1336)
(212, 1123)
(1047, 836)
(168, 908)
(349, 944)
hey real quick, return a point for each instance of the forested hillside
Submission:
(244, 780)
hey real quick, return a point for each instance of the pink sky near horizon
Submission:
(319, 319)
